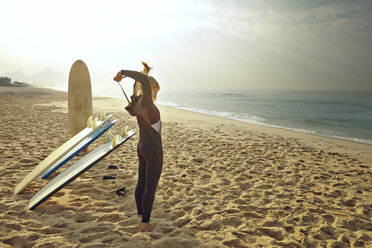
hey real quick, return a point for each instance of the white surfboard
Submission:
(77, 149)
(62, 150)
(78, 168)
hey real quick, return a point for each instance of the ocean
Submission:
(341, 114)
(345, 115)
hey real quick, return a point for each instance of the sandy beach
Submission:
(224, 183)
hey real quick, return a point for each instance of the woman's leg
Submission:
(141, 183)
(153, 171)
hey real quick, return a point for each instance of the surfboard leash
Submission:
(124, 93)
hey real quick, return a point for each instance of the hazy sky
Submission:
(195, 44)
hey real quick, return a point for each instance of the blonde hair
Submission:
(155, 87)
(147, 67)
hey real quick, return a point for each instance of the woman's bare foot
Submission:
(147, 227)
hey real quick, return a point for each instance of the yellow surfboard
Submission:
(79, 97)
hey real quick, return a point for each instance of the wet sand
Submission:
(224, 183)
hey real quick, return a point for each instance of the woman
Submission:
(149, 148)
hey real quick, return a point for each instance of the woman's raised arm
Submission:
(143, 79)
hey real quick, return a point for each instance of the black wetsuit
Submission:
(150, 155)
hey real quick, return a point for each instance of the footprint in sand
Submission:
(274, 232)
(26, 161)
(111, 217)
(18, 241)
(83, 217)
(182, 221)
(329, 218)
(61, 225)
(96, 229)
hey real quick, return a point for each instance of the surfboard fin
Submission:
(90, 122)
(95, 124)
(115, 141)
(108, 138)
(103, 116)
(124, 131)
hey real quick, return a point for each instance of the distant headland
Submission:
(46, 77)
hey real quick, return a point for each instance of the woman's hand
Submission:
(130, 110)
(118, 77)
